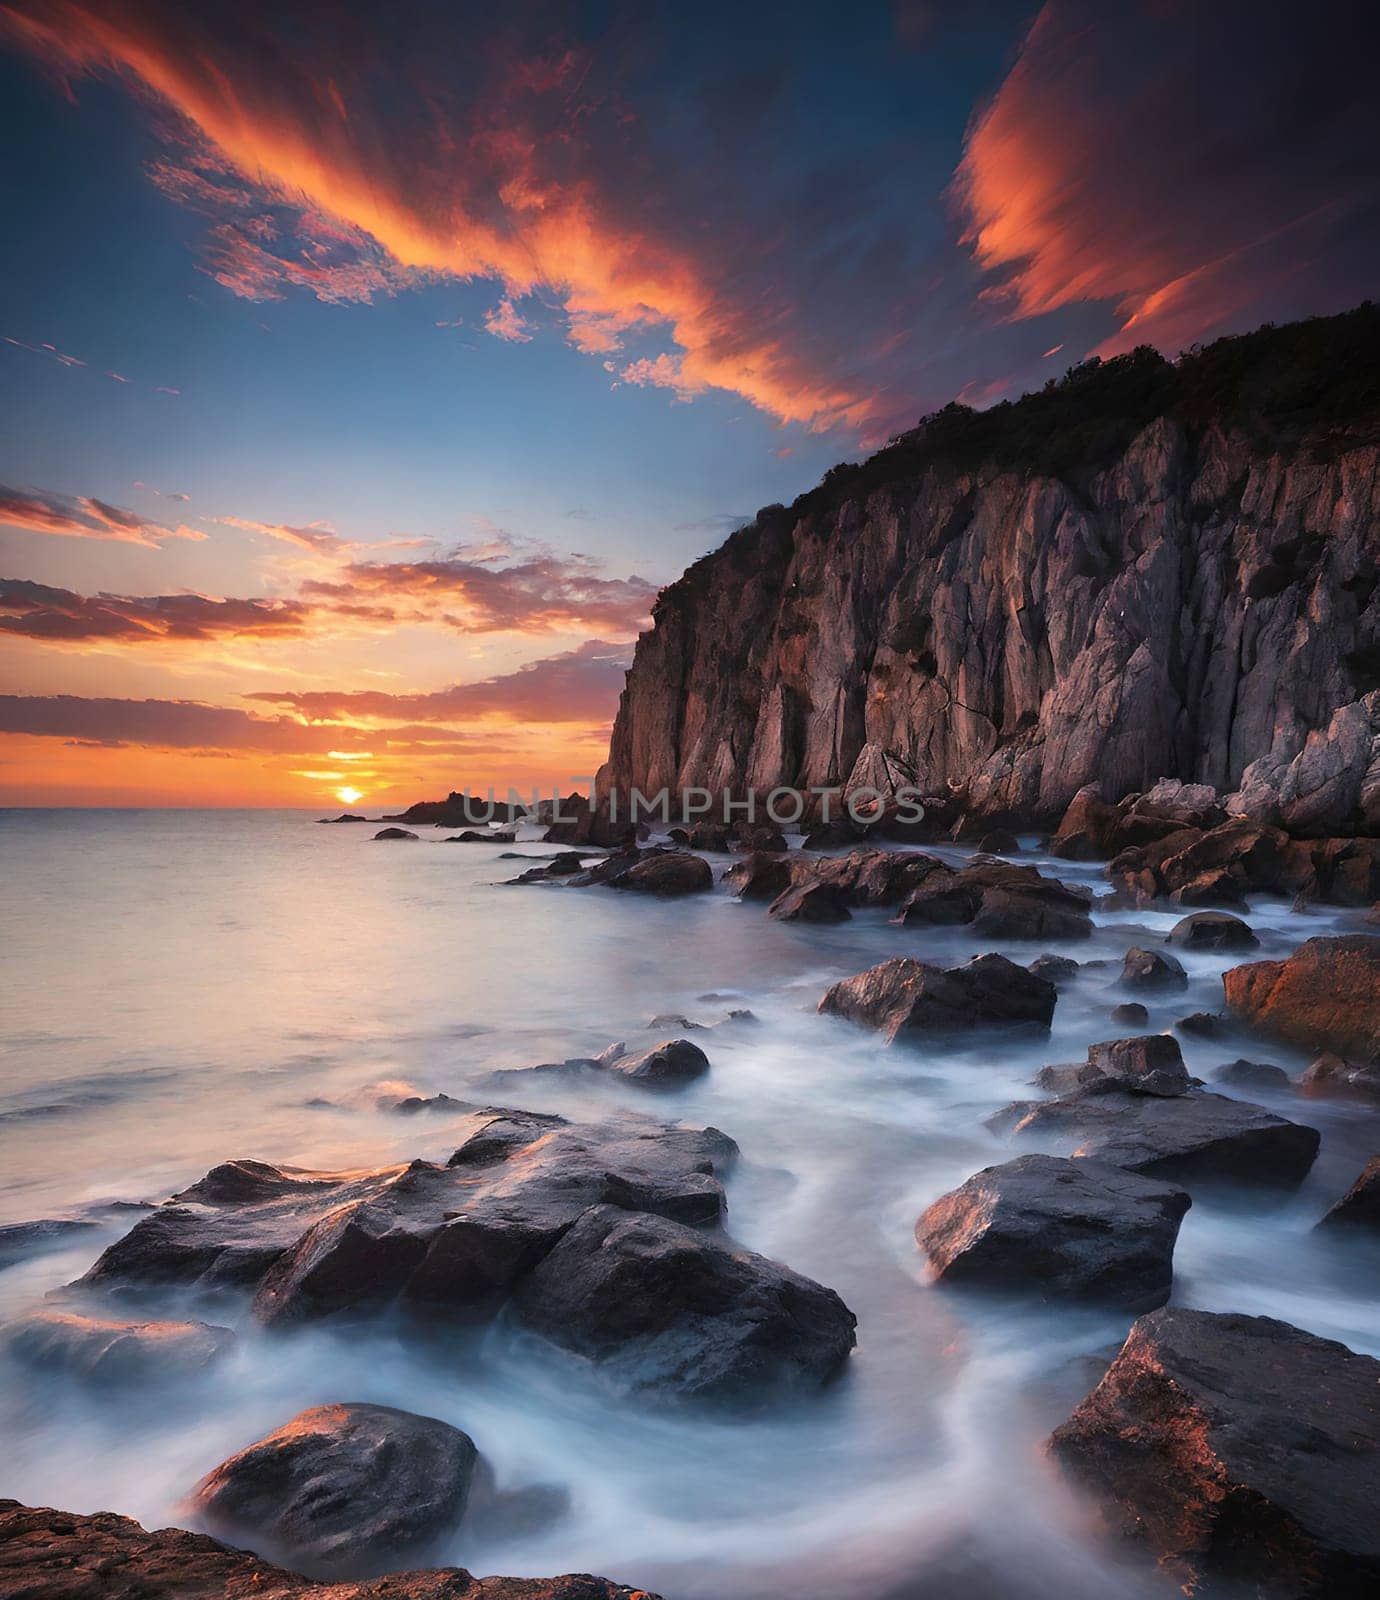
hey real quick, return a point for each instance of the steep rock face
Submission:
(1202, 608)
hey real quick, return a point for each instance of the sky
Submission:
(365, 371)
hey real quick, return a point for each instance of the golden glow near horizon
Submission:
(348, 796)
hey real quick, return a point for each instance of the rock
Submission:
(942, 900)
(459, 809)
(1240, 1451)
(670, 872)
(1149, 1064)
(1056, 969)
(701, 836)
(1212, 930)
(1213, 888)
(1013, 914)
(661, 1307)
(1203, 1025)
(1131, 1014)
(827, 835)
(906, 999)
(999, 843)
(1325, 996)
(442, 1240)
(672, 1019)
(1243, 1074)
(394, 833)
(342, 1490)
(1330, 1074)
(1192, 1137)
(480, 836)
(1058, 1230)
(810, 902)
(760, 876)
(21, 1240)
(757, 836)
(1071, 1075)
(1359, 1207)
(60, 1555)
(668, 1065)
(345, 816)
(1152, 969)
(94, 1350)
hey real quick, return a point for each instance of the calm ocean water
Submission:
(183, 987)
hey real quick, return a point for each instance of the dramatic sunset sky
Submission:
(367, 368)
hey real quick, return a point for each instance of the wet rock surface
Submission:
(667, 1065)
(1152, 970)
(1246, 1074)
(1359, 1207)
(1212, 930)
(1331, 1075)
(905, 999)
(1196, 1137)
(1325, 996)
(664, 1308)
(342, 1490)
(1057, 1229)
(1238, 1450)
(62, 1555)
(107, 1351)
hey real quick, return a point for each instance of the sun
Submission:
(348, 796)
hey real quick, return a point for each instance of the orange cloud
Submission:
(1178, 165)
(502, 186)
(57, 616)
(78, 517)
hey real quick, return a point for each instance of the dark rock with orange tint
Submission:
(1057, 1229)
(667, 1065)
(62, 1555)
(1325, 996)
(666, 1309)
(906, 999)
(342, 1490)
(1359, 1207)
(1239, 1451)
(810, 902)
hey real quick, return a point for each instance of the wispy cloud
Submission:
(82, 517)
(58, 616)
(504, 322)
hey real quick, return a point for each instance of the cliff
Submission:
(1147, 570)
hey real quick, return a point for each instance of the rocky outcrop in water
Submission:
(1147, 572)
(1325, 996)
(62, 1555)
(1240, 1450)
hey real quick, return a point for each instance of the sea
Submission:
(183, 987)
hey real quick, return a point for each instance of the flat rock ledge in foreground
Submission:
(1239, 1450)
(60, 1555)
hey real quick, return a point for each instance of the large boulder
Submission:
(661, 1307)
(448, 1240)
(667, 872)
(1359, 1208)
(107, 1351)
(1057, 1229)
(1018, 914)
(1193, 1137)
(62, 1555)
(761, 875)
(1152, 969)
(1325, 996)
(1148, 1063)
(1241, 1451)
(906, 999)
(342, 1490)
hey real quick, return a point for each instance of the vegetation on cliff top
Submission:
(1313, 383)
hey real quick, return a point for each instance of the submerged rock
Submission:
(394, 833)
(1192, 1137)
(1244, 1074)
(1212, 930)
(1325, 996)
(62, 1555)
(20, 1240)
(667, 1065)
(342, 1490)
(1057, 1229)
(662, 1307)
(1057, 969)
(905, 998)
(105, 1351)
(1359, 1207)
(1131, 1014)
(1330, 1074)
(1238, 1450)
(1152, 969)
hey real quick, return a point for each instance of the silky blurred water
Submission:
(184, 987)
